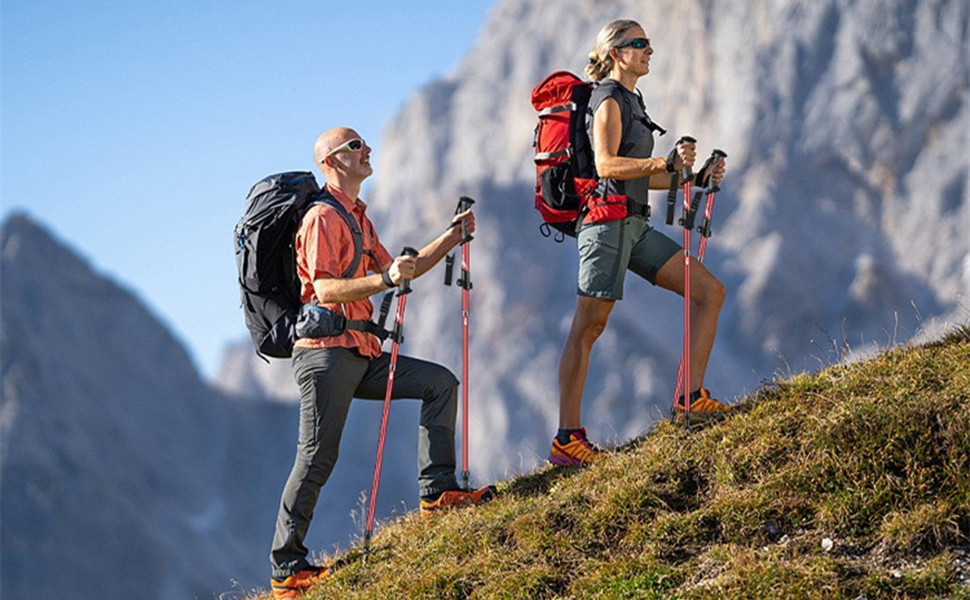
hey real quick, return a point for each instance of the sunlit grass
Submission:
(852, 482)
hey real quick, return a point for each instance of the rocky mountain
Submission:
(841, 226)
(122, 474)
(842, 223)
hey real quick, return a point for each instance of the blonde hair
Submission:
(600, 61)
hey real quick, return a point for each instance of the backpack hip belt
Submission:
(318, 322)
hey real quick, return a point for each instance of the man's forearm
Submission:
(432, 253)
(336, 291)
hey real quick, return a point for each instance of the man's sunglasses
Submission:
(353, 145)
(637, 43)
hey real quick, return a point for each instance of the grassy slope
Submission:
(873, 458)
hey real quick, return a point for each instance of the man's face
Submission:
(351, 154)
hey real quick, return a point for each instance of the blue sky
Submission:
(133, 130)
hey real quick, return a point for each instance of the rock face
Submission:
(120, 467)
(115, 455)
(842, 223)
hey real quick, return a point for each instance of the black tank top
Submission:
(636, 142)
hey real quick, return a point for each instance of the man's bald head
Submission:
(329, 140)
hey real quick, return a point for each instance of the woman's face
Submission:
(632, 54)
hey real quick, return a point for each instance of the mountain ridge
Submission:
(114, 451)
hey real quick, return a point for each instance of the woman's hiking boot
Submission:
(456, 498)
(297, 584)
(573, 451)
(703, 408)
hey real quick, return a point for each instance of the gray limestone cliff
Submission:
(842, 225)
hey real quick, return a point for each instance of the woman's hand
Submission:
(718, 169)
(686, 155)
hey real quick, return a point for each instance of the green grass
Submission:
(872, 456)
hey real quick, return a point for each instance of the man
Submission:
(332, 370)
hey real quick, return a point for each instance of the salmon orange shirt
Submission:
(324, 249)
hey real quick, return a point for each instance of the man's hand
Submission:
(468, 217)
(402, 268)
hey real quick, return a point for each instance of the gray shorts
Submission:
(607, 250)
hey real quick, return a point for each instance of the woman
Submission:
(622, 138)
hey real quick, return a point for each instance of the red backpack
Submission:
(565, 172)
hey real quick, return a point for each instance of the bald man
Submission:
(333, 370)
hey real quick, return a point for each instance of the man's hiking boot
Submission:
(703, 408)
(297, 584)
(577, 452)
(456, 498)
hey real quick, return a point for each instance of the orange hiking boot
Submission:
(577, 452)
(456, 498)
(297, 584)
(703, 408)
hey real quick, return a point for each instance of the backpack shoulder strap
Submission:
(327, 198)
(648, 121)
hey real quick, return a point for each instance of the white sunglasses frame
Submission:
(346, 147)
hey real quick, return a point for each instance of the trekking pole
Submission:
(397, 338)
(465, 283)
(687, 221)
(705, 227)
(703, 180)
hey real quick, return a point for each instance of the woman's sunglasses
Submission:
(636, 43)
(353, 145)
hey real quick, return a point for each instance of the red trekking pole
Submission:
(687, 221)
(703, 180)
(397, 338)
(465, 283)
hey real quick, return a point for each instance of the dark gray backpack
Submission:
(266, 260)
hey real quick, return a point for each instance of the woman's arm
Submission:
(607, 133)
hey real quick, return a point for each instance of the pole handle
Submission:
(406, 284)
(464, 203)
(685, 172)
(703, 178)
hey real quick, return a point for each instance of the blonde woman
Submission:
(611, 242)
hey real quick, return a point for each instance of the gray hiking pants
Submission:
(329, 378)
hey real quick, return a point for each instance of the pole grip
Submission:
(703, 178)
(685, 172)
(464, 203)
(406, 284)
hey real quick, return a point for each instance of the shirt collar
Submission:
(349, 203)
